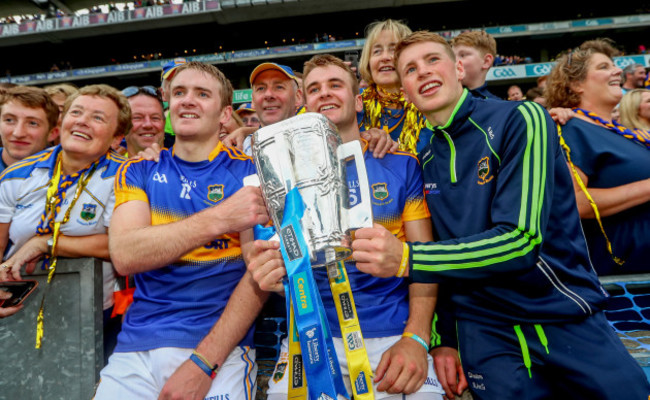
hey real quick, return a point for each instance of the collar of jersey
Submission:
(463, 98)
(213, 154)
(50, 161)
(364, 145)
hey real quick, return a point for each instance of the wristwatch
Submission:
(50, 244)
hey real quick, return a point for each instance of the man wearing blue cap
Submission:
(248, 116)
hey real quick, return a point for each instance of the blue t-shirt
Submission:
(175, 306)
(397, 195)
(609, 160)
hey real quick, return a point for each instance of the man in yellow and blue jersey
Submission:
(390, 311)
(179, 227)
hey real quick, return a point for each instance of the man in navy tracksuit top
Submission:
(510, 248)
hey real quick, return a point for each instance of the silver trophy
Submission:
(306, 152)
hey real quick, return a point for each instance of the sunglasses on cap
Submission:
(135, 90)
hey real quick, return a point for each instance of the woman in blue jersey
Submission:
(609, 161)
(384, 105)
(59, 202)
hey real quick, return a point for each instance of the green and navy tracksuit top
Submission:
(510, 248)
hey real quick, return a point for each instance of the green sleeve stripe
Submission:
(491, 251)
(511, 244)
(540, 161)
(465, 246)
(480, 263)
(530, 135)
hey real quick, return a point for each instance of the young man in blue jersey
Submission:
(527, 303)
(179, 227)
(390, 311)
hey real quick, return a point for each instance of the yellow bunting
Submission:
(376, 102)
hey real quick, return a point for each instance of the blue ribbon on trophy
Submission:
(301, 170)
(318, 354)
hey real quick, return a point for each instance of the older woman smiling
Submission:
(610, 162)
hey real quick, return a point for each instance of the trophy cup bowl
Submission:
(306, 152)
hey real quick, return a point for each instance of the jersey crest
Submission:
(484, 171)
(380, 191)
(215, 193)
(88, 211)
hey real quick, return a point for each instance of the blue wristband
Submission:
(204, 367)
(417, 339)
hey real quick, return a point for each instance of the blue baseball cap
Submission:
(170, 67)
(273, 66)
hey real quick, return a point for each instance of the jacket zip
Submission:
(452, 158)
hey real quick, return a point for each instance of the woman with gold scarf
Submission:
(384, 105)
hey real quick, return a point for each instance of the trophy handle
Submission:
(360, 215)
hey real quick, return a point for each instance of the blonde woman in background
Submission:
(635, 109)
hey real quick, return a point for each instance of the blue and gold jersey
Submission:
(397, 196)
(175, 306)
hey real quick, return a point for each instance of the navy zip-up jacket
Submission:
(510, 248)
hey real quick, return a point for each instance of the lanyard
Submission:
(54, 198)
(638, 136)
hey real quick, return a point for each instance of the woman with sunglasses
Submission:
(384, 105)
(147, 117)
(609, 162)
(59, 202)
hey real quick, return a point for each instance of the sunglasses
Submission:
(148, 90)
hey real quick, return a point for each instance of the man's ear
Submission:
(53, 135)
(406, 96)
(226, 114)
(358, 103)
(488, 60)
(460, 70)
(300, 99)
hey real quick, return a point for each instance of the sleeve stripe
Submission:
(25, 162)
(514, 243)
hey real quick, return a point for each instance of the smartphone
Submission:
(19, 290)
(353, 58)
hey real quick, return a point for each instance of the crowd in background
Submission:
(581, 93)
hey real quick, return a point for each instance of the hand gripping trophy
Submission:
(301, 166)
